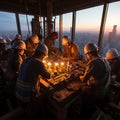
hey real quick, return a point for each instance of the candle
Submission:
(56, 67)
(67, 68)
(49, 66)
(62, 67)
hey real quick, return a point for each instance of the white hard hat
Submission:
(90, 47)
(112, 53)
(1, 37)
(19, 45)
(64, 40)
(35, 39)
(3, 41)
(42, 48)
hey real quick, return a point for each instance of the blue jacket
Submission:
(28, 77)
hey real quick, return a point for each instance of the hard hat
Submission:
(42, 48)
(112, 53)
(64, 40)
(90, 47)
(19, 45)
(3, 41)
(35, 39)
(1, 37)
(18, 36)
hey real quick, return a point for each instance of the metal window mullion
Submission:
(102, 27)
(18, 23)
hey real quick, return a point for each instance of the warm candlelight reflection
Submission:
(56, 67)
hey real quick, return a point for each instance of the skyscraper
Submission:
(112, 35)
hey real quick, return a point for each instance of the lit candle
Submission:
(49, 66)
(56, 65)
(44, 61)
(62, 67)
(62, 63)
(67, 66)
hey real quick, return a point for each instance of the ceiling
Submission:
(39, 7)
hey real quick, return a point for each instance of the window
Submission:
(67, 24)
(8, 27)
(25, 28)
(112, 28)
(88, 23)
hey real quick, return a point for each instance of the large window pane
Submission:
(67, 24)
(25, 28)
(8, 27)
(87, 26)
(57, 23)
(112, 28)
(57, 30)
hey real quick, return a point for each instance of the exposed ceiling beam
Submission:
(38, 7)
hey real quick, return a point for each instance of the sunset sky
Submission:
(86, 20)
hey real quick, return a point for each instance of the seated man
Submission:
(31, 45)
(113, 58)
(50, 41)
(54, 52)
(14, 62)
(96, 78)
(71, 50)
(28, 91)
(18, 37)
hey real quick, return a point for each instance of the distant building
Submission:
(112, 35)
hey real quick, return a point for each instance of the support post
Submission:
(28, 25)
(18, 23)
(102, 27)
(49, 17)
(73, 26)
(60, 30)
(44, 28)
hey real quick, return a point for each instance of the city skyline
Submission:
(86, 19)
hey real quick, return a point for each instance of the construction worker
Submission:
(30, 73)
(18, 37)
(2, 48)
(31, 45)
(71, 50)
(50, 41)
(96, 80)
(14, 62)
(113, 58)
